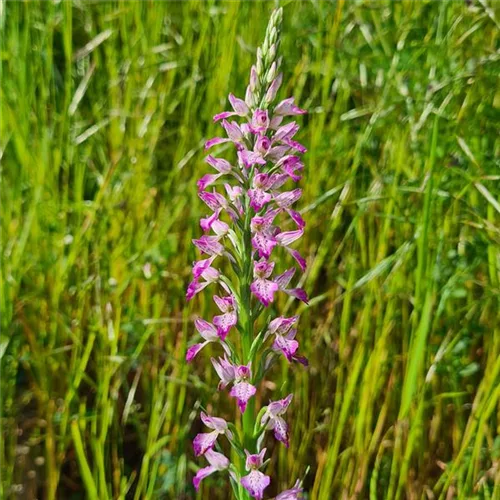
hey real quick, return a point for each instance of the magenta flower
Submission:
(286, 344)
(262, 145)
(209, 245)
(290, 165)
(242, 389)
(261, 287)
(229, 318)
(213, 200)
(273, 419)
(263, 233)
(250, 158)
(206, 441)
(208, 332)
(281, 325)
(260, 121)
(217, 461)
(255, 482)
(226, 371)
(209, 275)
(259, 195)
(239, 106)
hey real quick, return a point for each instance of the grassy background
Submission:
(104, 109)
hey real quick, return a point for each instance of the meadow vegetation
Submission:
(104, 109)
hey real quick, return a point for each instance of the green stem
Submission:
(246, 321)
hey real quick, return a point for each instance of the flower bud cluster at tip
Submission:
(265, 77)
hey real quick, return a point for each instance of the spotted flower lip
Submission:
(255, 482)
(242, 389)
(263, 288)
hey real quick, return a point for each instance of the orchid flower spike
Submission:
(249, 257)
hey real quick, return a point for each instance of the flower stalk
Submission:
(243, 231)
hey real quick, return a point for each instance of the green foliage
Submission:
(104, 109)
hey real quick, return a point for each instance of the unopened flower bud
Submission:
(272, 52)
(270, 75)
(273, 89)
(254, 79)
(260, 65)
(249, 97)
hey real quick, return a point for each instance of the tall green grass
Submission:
(104, 108)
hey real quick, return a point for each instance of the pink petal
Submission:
(297, 218)
(194, 350)
(214, 141)
(220, 164)
(201, 266)
(206, 329)
(284, 200)
(233, 130)
(298, 293)
(207, 180)
(206, 222)
(238, 105)
(281, 325)
(296, 145)
(286, 238)
(217, 460)
(254, 461)
(284, 279)
(249, 158)
(195, 287)
(280, 429)
(209, 245)
(294, 493)
(213, 200)
(300, 260)
(286, 132)
(263, 269)
(202, 474)
(216, 423)
(285, 346)
(273, 88)
(223, 115)
(204, 442)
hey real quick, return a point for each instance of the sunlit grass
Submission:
(104, 108)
